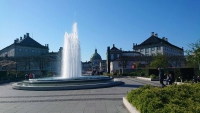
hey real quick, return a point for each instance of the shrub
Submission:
(133, 74)
(152, 76)
(172, 99)
(125, 74)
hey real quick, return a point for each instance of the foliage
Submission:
(107, 74)
(172, 99)
(177, 73)
(152, 76)
(193, 56)
(137, 73)
(51, 74)
(159, 61)
(20, 75)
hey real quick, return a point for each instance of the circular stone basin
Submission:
(58, 83)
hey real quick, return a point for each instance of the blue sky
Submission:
(101, 23)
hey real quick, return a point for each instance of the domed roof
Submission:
(95, 56)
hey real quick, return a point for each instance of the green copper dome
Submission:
(95, 56)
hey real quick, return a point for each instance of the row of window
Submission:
(172, 51)
(32, 50)
(112, 56)
(147, 49)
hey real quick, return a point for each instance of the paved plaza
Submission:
(102, 100)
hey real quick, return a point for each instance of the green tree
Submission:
(159, 60)
(193, 56)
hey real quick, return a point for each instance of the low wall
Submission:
(129, 106)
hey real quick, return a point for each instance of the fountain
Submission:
(71, 65)
(71, 75)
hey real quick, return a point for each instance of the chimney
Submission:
(156, 35)
(48, 45)
(164, 38)
(27, 34)
(20, 38)
(120, 48)
(113, 45)
(152, 33)
(24, 36)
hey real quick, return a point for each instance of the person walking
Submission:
(26, 76)
(16, 77)
(8, 77)
(167, 80)
(161, 76)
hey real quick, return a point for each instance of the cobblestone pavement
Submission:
(102, 100)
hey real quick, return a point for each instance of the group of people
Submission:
(169, 79)
(30, 76)
(196, 79)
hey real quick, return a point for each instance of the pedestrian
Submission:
(16, 76)
(198, 79)
(26, 76)
(167, 80)
(170, 79)
(8, 77)
(30, 76)
(161, 76)
(33, 76)
(194, 79)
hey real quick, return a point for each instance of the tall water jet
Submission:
(71, 57)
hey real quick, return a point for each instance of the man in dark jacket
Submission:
(161, 76)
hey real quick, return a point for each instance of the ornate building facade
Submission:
(118, 60)
(155, 45)
(30, 55)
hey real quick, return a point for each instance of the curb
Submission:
(143, 78)
(129, 107)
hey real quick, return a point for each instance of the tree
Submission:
(123, 61)
(7, 65)
(159, 61)
(193, 56)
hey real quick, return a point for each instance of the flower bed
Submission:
(173, 99)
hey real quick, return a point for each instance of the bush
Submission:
(152, 76)
(133, 74)
(125, 74)
(172, 99)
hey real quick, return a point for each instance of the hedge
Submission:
(172, 99)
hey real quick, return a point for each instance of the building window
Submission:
(117, 55)
(147, 50)
(141, 50)
(158, 48)
(153, 48)
(26, 50)
(20, 49)
(147, 54)
(38, 51)
(33, 50)
(112, 56)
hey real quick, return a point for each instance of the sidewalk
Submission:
(102, 100)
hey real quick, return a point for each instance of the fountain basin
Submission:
(57, 83)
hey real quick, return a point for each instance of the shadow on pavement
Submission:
(130, 85)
